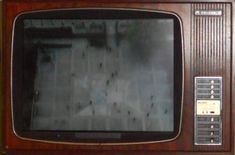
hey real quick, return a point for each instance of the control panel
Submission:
(207, 110)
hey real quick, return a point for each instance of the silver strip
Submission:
(79, 143)
(208, 12)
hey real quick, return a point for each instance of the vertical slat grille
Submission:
(209, 42)
(211, 56)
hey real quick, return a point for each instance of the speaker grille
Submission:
(210, 39)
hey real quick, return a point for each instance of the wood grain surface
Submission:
(199, 60)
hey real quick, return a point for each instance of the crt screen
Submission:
(100, 75)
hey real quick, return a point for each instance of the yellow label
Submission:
(208, 107)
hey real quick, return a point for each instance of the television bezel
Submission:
(103, 137)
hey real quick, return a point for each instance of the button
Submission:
(212, 119)
(212, 126)
(212, 81)
(212, 96)
(212, 87)
(212, 140)
(212, 133)
(212, 91)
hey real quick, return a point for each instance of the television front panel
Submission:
(97, 75)
(119, 77)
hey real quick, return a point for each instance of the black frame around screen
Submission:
(20, 122)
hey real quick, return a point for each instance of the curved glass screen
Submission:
(114, 75)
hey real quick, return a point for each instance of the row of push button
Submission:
(212, 87)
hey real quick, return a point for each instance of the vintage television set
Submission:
(119, 77)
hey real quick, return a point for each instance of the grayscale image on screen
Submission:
(102, 75)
